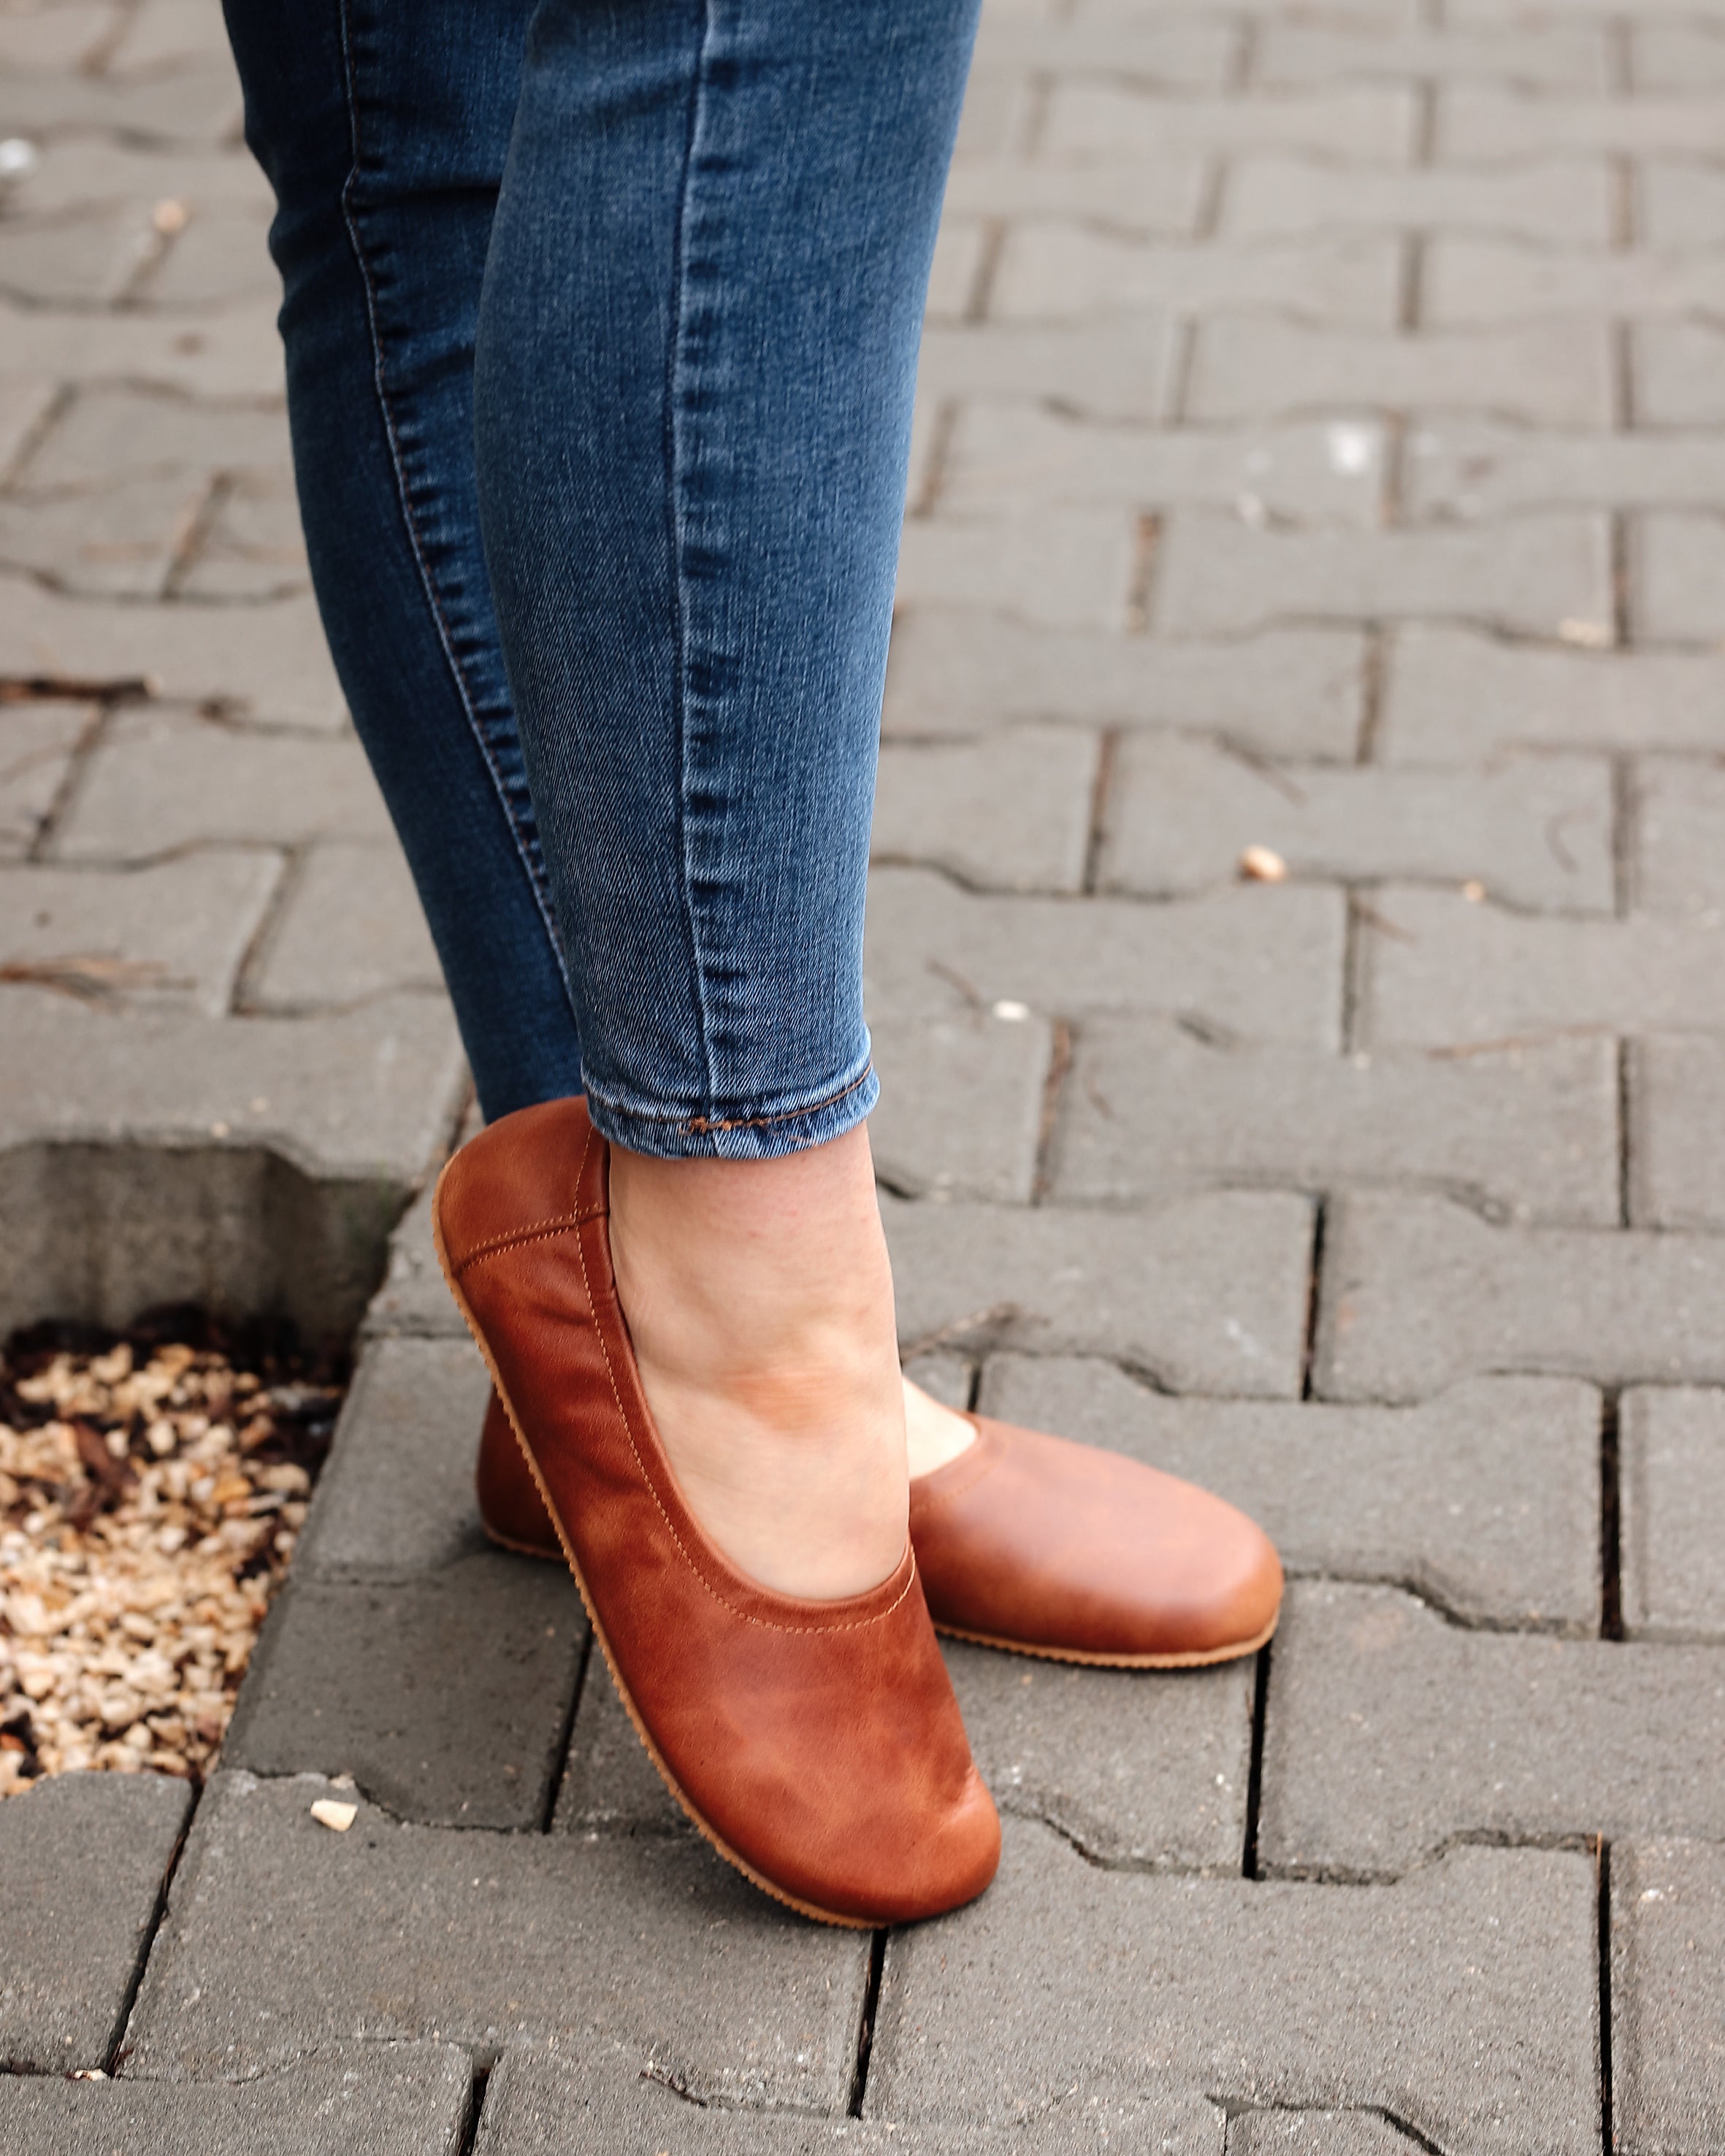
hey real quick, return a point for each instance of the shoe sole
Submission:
(708, 1833)
(1202, 1658)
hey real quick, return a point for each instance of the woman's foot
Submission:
(760, 1302)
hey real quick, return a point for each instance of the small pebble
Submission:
(337, 1818)
(1259, 864)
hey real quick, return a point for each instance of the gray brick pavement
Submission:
(1218, 575)
(1536, 832)
(1418, 1294)
(399, 2099)
(1530, 1133)
(1460, 1998)
(1289, 692)
(1391, 1735)
(83, 1862)
(1667, 1934)
(281, 1937)
(1318, 448)
(1672, 1456)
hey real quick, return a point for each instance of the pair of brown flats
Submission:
(817, 1745)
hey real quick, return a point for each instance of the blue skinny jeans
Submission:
(601, 320)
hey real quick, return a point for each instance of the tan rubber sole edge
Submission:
(1203, 1660)
(707, 1832)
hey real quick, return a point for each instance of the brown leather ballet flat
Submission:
(1033, 1543)
(817, 1745)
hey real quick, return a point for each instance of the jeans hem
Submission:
(740, 1134)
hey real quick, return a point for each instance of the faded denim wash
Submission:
(638, 286)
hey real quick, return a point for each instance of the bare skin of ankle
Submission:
(934, 1434)
(760, 1300)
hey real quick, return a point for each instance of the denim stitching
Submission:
(699, 1125)
(766, 1624)
(674, 462)
(404, 496)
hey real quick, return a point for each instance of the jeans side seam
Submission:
(404, 496)
(674, 460)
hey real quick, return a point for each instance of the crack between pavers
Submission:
(1608, 2129)
(1254, 1771)
(560, 1773)
(866, 2023)
(115, 2051)
(477, 2089)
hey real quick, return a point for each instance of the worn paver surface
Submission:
(1321, 449)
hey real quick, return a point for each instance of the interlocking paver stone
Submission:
(1001, 454)
(535, 2101)
(395, 2100)
(1263, 963)
(1462, 1998)
(1289, 692)
(1676, 564)
(1672, 1481)
(1479, 469)
(1048, 271)
(1675, 1097)
(1445, 972)
(1217, 576)
(1209, 1292)
(1391, 1735)
(281, 1937)
(1293, 53)
(1667, 1943)
(1565, 202)
(83, 1861)
(1680, 205)
(1536, 831)
(233, 351)
(350, 927)
(1418, 1294)
(1012, 814)
(1679, 817)
(1489, 120)
(1148, 1112)
(1485, 1498)
(1452, 696)
(1554, 374)
(1069, 567)
(268, 662)
(161, 780)
(150, 1157)
(1186, 54)
(1156, 198)
(396, 1498)
(1362, 122)
(446, 1698)
(104, 433)
(1469, 282)
(1121, 373)
(1674, 373)
(171, 935)
(961, 1102)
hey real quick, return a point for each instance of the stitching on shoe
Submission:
(539, 1232)
(766, 1623)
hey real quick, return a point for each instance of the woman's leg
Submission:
(696, 359)
(383, 128)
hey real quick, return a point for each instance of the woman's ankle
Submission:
(759, 1296)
